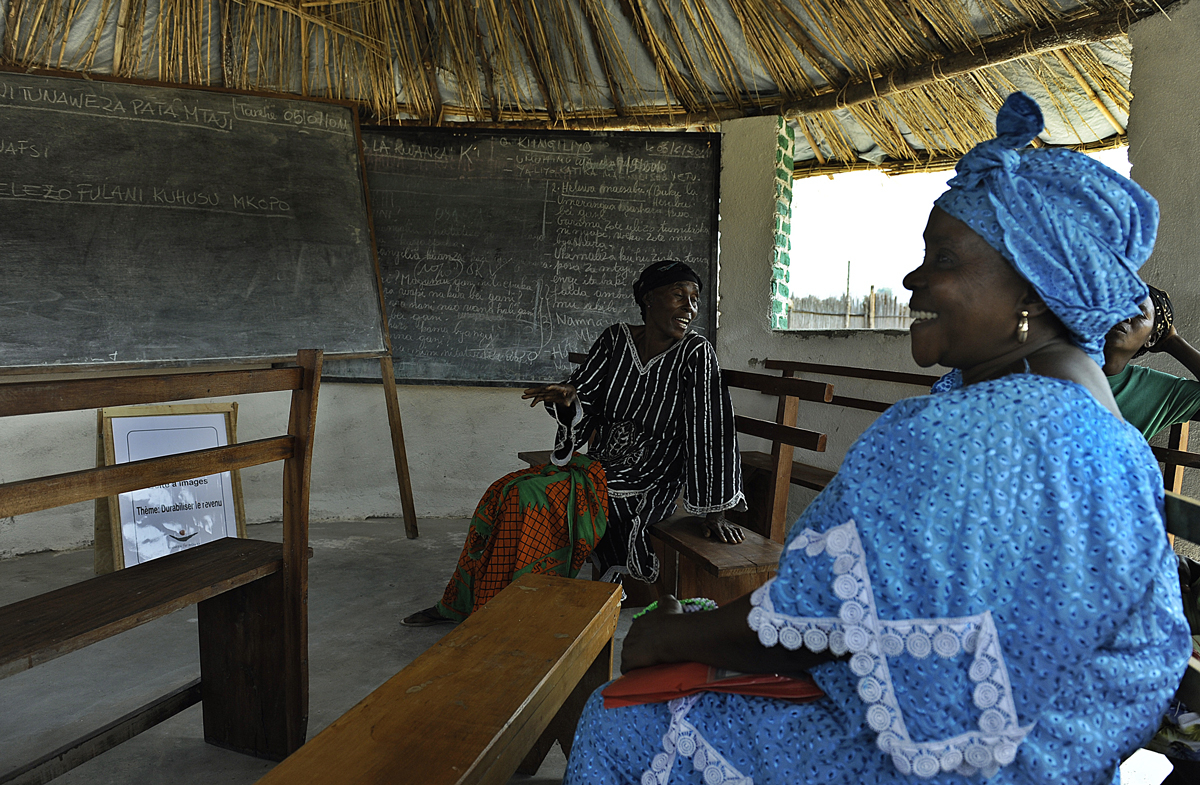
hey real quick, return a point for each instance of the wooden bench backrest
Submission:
(792, 367)
(159, 588)
(1175, 456)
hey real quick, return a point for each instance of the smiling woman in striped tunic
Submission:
(663, 425)
(652, 393)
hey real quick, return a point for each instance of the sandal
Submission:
(426, 618)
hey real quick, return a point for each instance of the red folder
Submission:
(665, 682)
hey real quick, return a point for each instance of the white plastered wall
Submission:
(458, 440)
(1164, 134)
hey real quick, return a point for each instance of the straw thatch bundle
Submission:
(897, 84)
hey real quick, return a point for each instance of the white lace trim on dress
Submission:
(683, 738)
(872, 641)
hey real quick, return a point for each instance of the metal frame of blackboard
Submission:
(712, 159)
(83, 370)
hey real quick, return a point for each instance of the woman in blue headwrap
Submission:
(985, 590)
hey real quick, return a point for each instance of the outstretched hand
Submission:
(561, 394)
(717, 527)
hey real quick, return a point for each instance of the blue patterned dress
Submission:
(994, 561)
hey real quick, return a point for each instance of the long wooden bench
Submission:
(487, 700)
(252, 595)
(695, 566)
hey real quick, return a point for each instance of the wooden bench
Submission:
(695, 566)
(800, 473)
(487, 700)
(252, 595)
(1176, 457)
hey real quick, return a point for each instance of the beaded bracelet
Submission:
(690, 605)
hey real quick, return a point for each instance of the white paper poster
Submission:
(168, 518)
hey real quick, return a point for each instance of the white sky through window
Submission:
(871, 222)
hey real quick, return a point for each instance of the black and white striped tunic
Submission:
(663, 429)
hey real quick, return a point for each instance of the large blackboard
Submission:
(501, 253)
(145, 224)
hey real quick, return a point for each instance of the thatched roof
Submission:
(899, 83)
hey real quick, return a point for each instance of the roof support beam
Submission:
(1087, 89)
(820, 63)
(934, 163)
(428, 64)
(614, 91)
(529, 45)
(993, 53)
(485, 65)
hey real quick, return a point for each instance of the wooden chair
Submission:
(252, 595)
(1175, 457)
(484, 702)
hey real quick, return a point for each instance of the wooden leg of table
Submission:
(398, 450)
(242, 681)
(562, 727)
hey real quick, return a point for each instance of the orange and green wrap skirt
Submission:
(546, 519)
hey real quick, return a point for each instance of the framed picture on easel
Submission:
(142, 525)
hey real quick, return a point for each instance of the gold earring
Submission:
(1023, 327)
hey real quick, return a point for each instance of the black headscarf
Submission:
(662, 273)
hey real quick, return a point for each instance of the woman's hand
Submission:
(721, 638)
(716, 526)
(1163, 344)
(561, 394)
(643, 643)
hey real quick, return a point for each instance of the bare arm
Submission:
(721, 638)
(1174, 344)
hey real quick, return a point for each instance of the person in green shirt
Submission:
(1151, 400)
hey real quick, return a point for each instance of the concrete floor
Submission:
(364, 577)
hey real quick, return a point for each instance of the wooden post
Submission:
(847, 294)
(398, 450)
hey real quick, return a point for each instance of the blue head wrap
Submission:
(1072, 227)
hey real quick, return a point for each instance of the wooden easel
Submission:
(398, 452)
(386, 368)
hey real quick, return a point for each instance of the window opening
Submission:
(854, 236)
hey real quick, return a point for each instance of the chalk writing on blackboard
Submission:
(154, 224)
(502, 253)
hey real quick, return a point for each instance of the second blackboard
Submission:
(502, 253)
